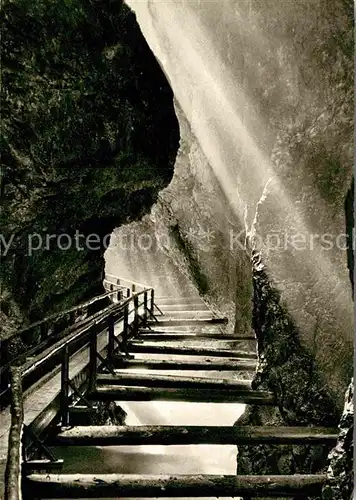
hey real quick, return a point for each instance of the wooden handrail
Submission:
(136, 283)
(83, 305)
(13, 470)
(14, 456)
(57, 316)
(113, 309)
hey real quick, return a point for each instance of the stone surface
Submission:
(89, 138)
(264, 103)
(341, 468)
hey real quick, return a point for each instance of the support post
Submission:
(72, 317)
(136, 315)
(43, 331)
(125, 332)
(92, 360)
(145, 305)
(152, 302)
(65, 387)
(128, 292)
(133, 287)
(15, 448)
(119, 294)
(111, 339)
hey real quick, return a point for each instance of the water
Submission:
(200, 459)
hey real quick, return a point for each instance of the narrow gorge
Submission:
(203, 148)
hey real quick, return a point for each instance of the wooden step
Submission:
(117, 393)
(163, 336)
(186, 322)
(111, 435)
(151, 380)
(186, 486)
(185, 306)
(176, 298)
(179, 302)
(42, 465)
(182, 313)
(190, 351)
(207, 364)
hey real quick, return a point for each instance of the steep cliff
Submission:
(89, 137)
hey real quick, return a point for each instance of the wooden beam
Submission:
(163, 336)
(116, 393)
(153, 380)
(82, 409)
(110, 435)
(207, 364)
(183, 312)
(185, 306)
(190, 351)
(179, 300)
(187, 486)
(14, 454)
(46, 465)
(188, 322)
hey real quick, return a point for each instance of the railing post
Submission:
(145, 305)
(111, 340)
(136, 314)
(152, 302)
(128, 292)
(126, 325)
(43, 331)
(65, 387)
(72, 317)
(133, 287)
(119, 293)
(93, 360)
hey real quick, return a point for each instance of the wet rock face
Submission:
(340, 471)
(288, 370)
(265, 104)
(183, 246)
(89, 138)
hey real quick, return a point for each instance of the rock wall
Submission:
(264, 106)
(341, 458)
(264, 172)
(89, 137)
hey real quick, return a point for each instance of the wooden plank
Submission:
(82, 409)
(185, 306)
(178, 299)
(14, 456)
(163, 336)
(187, 486)
(207, 364)
(153, 380)
(190, 351)
(187, 322)
(110, 435)
(46, 465)
(117, 393)
(186, 312)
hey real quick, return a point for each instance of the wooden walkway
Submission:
(191, 357)
(36, 401)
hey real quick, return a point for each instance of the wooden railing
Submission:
(130, 313)
(45, 333)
